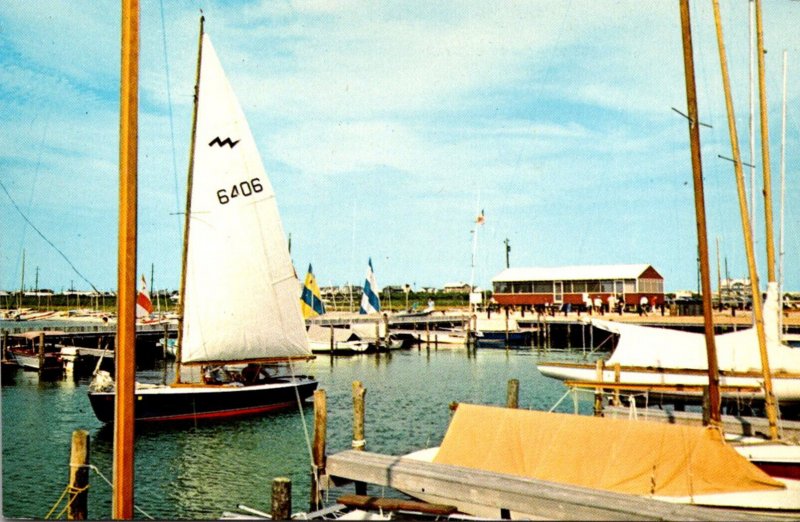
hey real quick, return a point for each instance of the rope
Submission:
(63, 494)
(137, 508)
(560, 400)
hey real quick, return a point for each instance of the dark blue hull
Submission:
(194, 402)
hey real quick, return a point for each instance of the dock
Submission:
(508, 496)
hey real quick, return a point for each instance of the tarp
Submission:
(620, 455)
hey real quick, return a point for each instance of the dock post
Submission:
(378, 335)
(386, 330)
(333, 343)
(598, 392)
(5, 344)
(427, 333)
(41, 352)
(569, 335)
(512, 395)
(469, 334)
(318, 452)
(617, 379)
(506, 321)
(166, 339)
(359, 443)
(78, 476)
(281, 498)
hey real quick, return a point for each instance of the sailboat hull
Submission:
(786, 387)
(197, 402)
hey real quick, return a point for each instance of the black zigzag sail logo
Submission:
(222, 143)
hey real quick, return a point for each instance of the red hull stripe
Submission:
(220, 414)
(775, 469)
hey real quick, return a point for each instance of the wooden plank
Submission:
(394, 504)
(536, 498)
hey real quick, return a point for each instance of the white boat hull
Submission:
(786, 389)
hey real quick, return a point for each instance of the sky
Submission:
(387, 127)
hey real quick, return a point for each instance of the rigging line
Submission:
(14, 203)
(171, 122)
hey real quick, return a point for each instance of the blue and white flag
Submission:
(370, 303)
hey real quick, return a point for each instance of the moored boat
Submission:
(235, 256)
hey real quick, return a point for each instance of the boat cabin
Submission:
(574, 285)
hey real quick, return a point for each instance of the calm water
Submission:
(197, 472)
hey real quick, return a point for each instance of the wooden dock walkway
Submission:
(511, 496)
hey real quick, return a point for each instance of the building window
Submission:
(651, 286)
(522, 288)
(502, 287)
(542, 287)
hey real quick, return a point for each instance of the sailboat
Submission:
(676, 359)
(238, 288)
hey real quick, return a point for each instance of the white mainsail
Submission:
(240, 297)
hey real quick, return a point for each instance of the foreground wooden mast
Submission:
(758, 315)
(765, 161)
(700, 215)
(122, 501)
(188, 213)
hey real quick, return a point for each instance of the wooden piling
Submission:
(78, 476)
(41, 352)
(427, 333)
(506, 321)
(5, 344)
(333, 342)
(318, 449)
(512, 395)
(358, 416)
(386, 330)
(617, 380)
(598, 392)
(166, 339)
(281, 498)
(359, 443)
(378, 334)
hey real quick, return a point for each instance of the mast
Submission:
(758, 316)
(122, 505)
(700, 215)
(21, 283)
(783, 195)
(765, 167)
(187, 215)
(751, 120)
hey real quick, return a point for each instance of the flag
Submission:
(144, 307)
(480, 219)
(311, 298)
(370, 303)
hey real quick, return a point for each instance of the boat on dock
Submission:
(675, 364)
(236, 257)
(610, 455)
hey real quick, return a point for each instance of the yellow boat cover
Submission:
(625, 456)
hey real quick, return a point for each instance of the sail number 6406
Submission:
(244, 188)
